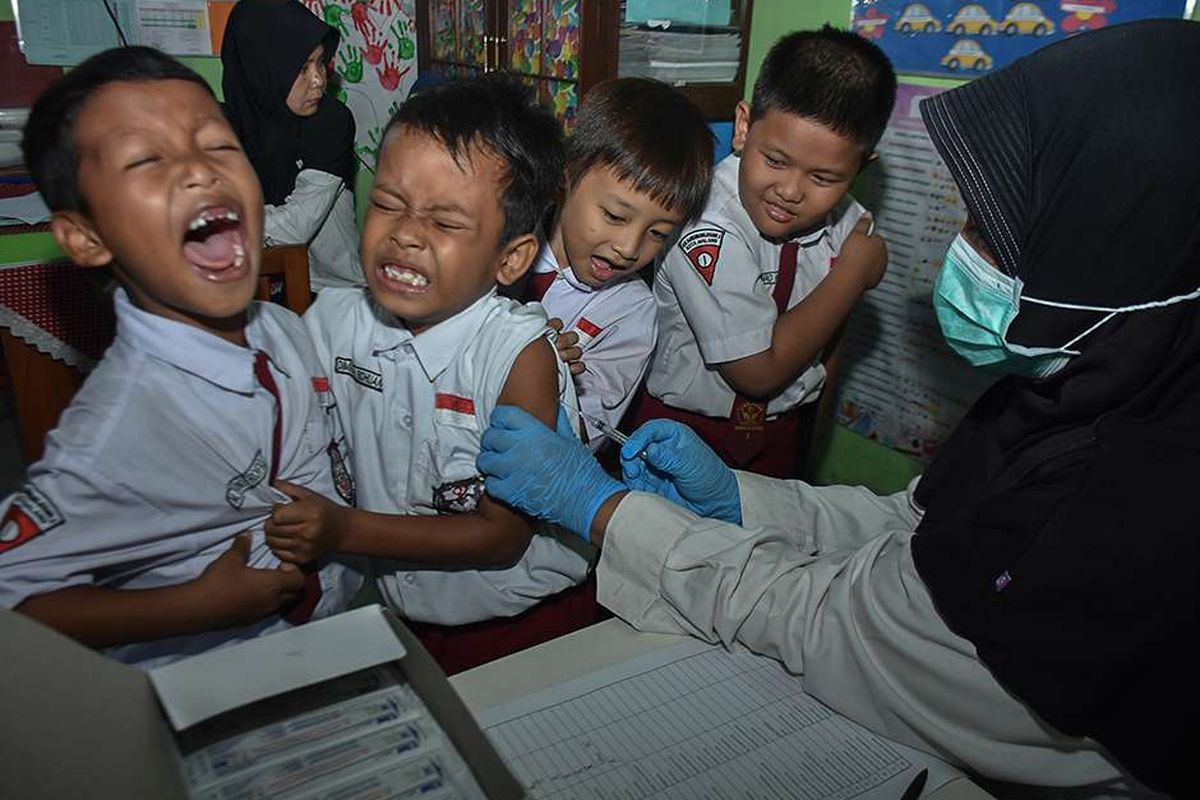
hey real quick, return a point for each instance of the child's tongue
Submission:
(215, 251)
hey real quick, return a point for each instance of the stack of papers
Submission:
(680, 54)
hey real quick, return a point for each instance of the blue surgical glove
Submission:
(544, 473)
(681, 468)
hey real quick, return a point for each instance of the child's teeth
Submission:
(239, 255)
(405, 276)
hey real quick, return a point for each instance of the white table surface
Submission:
(596, 647)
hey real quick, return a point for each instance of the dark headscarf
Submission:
(266, 44)
(1062, 524)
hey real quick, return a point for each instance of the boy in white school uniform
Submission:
(629, 189)
(751, 298)
(140, 530)
(467, 171)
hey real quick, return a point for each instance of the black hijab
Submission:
(1062, 523)
(266, 44)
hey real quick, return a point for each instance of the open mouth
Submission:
(215, 244)
(400, 278)
(604, 270)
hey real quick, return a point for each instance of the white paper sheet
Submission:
(178, 27)
(694, 721)
(200, 687)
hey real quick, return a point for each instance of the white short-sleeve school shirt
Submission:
(414, 409)
(713, 290)
(163, 457)
(617, 327)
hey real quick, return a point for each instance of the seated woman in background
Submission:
(300, 140)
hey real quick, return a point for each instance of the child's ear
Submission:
(741, 125)
(871, 159)
(517, 257)
(78, 239)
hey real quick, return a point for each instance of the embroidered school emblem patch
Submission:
(458, 497)
(235, 490)
(703, 248)
(360, 375)
(29, 514)
(343, 481)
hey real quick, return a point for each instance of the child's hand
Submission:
(569, 351)
(306, 529)
(866, 254)
(241, 594)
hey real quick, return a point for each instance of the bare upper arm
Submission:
(532, 383)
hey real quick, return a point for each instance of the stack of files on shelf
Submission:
(680, 54)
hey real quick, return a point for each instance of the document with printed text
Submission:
(695, 721)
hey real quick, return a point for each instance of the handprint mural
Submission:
(376, 62)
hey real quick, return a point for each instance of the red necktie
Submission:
(539, 284)
(300, 610)
(748, 438)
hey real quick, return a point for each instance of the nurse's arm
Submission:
(663, 568)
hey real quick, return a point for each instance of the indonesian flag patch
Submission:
(587, 331)
(29, 514)
(453, 409)
(703, 248)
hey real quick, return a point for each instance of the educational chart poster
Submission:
(956, 38)
(901, 384)
(376, 62)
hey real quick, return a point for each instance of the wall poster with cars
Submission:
(962, 39)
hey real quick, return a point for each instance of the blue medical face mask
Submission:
(975, 303)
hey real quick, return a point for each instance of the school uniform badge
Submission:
(703, 248)
(29, 514)
(458, 497)
(235, 490)
(343, 481)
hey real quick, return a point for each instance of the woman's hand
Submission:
(667, 458)
(543, 473)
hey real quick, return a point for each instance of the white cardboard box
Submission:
(76, 724)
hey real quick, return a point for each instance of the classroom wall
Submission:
(846, 457)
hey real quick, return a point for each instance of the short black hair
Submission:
(496, 114)
(49, 139)
(831, 76)
(649, 134)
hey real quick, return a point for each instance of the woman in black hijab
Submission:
(1029, 609)
(275, 58)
